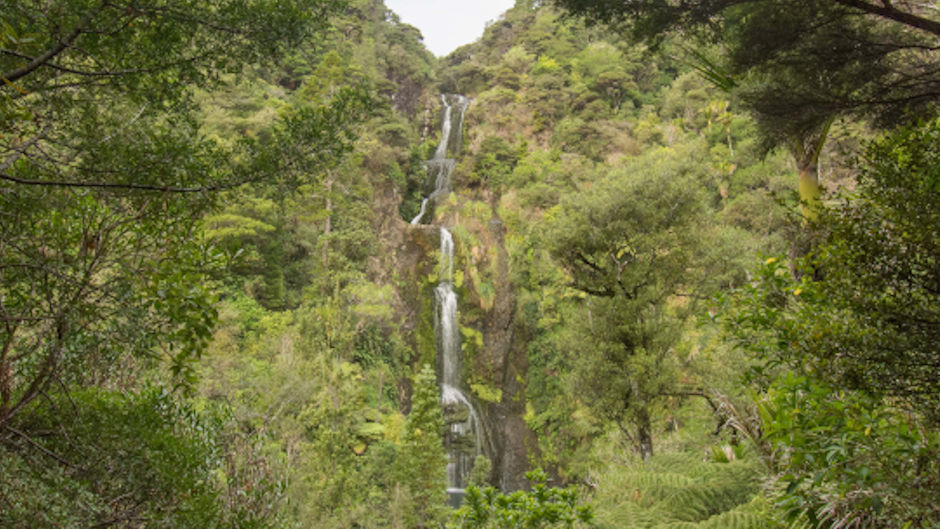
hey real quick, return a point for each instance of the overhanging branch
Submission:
(47, 55)
(892, 13)
(115, 185)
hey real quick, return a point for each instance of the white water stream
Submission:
(462, 433)
(440, 165)
(447, 331)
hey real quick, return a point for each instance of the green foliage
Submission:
(795, 65)
(679, 490)
(108, 174)
(542, 507)
(588, 163)
(112, 223)
(493, 163)
(848, 458)
(860, 323)
(424, 461)
(844, 352)
(574, 113)
(320, 387)
(480, 472)
(606, 72)
(629, 245)
(121, 458)
(612, 237)
(85, 293)
(879, 269)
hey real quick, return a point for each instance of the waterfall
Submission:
(424, 207)
(454, 401)
(440, 166)
(441, 151)
(463, 438)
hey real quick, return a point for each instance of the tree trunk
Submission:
(644, 433)
(806, 151)
(378, 403)
(6, 380)
(327, 225)
(810, 192)
(6, 374)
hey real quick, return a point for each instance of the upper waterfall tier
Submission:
(440, 166)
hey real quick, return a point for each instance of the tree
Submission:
(542, 507)
(106, 175)
(630, 246)
(869, 321)
(424, 461)
(798, 65)
(494, 162)
(849, 358)
(128, 458)
(653, 17)
(880, 274)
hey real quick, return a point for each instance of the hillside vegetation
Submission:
(679, 305)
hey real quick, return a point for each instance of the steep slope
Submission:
(335, 281)
(557, 108)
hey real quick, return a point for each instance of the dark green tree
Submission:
(849, 358)
(881, 280)
(105, 175)
(797, 65)
(630, 245)
(423, 460)
(128, 459)
(869, 320)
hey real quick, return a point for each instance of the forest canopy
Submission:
(681, 258)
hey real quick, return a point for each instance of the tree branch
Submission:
(18, 152)
(890, 12)
(601, 293)
(39, 446)
(589, 263)
(6, 367)
(114, 185)
(85, 73)
(47, 55)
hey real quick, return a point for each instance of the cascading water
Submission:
(440, 165)
(455, 402)
(463, 439)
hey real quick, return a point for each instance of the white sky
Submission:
(448, 24)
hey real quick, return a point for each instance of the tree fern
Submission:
(677, 525)
(736, 519)
(648, 488)
(679, 491)
(626, 514)
(723, 487)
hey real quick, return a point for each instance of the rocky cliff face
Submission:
(404, 260)
(494, 356)
(494, 363)
(503, 348)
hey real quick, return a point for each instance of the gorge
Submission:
(274, 265)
